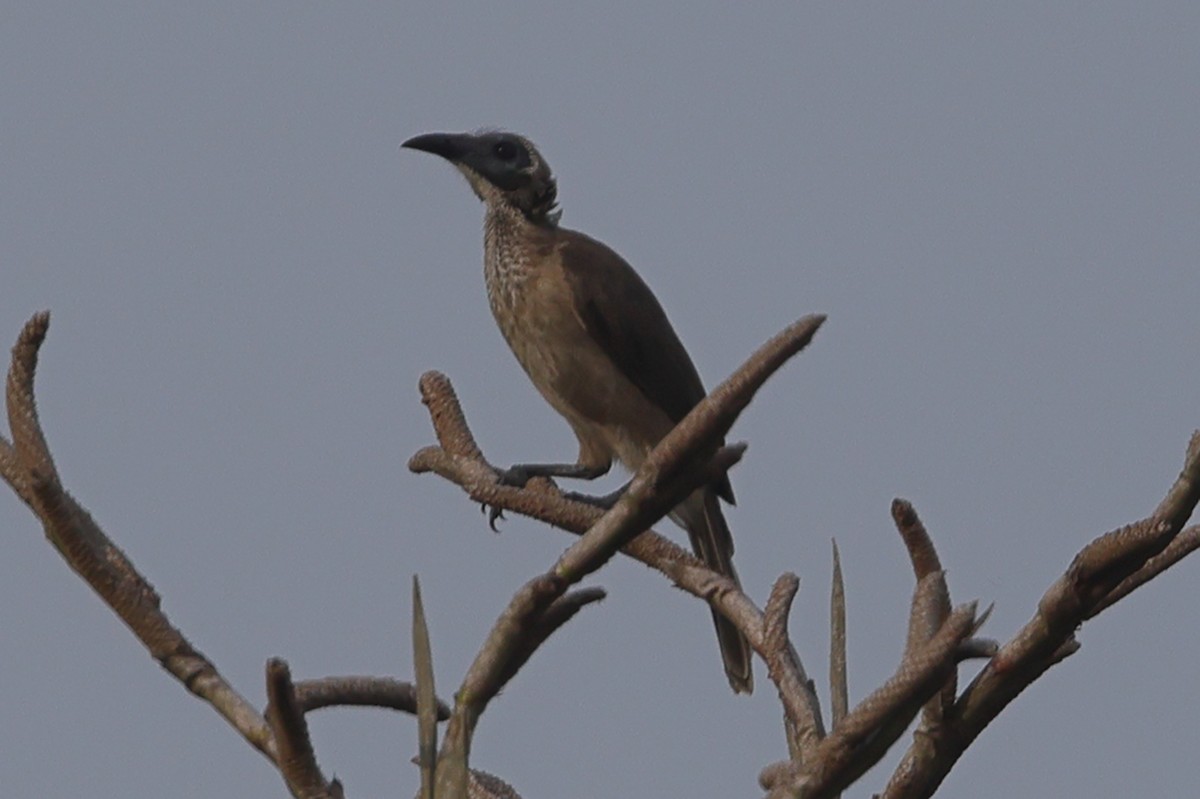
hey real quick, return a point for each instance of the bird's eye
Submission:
(505, 151)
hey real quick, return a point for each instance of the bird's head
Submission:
(503, 168)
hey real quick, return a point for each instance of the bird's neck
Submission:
(507, 256)
(516, 251)
(509, 246)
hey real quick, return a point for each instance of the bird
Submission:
(592, 338)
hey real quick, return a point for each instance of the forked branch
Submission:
(820, 764)
(1104, 571)
(27, 466)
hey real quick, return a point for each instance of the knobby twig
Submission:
(930, 606)
(1104, 571)
(27, 466)
(297, 761)
(362, 691)
(803, 726)
(1184, 544)
(870, 728)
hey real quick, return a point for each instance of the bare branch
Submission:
(297, 761)
(783, 667)
(561, 611)
(28, 467)
(534, 613)
(875, 724)
(1184, 544)
(711, 419)
(921, 551)
(13, 473)
(930, 607)
(453, 775)
(722, 594)
(1181, 500)
(538, 500)
(1105, 570)
(927, 611)
(649, 497)
(362, 691)
(31, 450)
(542, 625)
(448, 421)
(489, 672)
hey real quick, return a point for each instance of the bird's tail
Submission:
(700, 514)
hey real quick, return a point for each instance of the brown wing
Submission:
(624, 317)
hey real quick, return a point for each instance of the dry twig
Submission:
(27, 466)
(1104, 571)
(297, 761)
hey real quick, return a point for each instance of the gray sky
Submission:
(996, 205)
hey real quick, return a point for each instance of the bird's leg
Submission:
(606, 501)
(519, 474)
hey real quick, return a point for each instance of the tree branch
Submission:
(1103, 572)
(297, 761)
(874, 725)
(686, 458)
(27, 466)
(804, 726)
(362, 691)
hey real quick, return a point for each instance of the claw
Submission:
(494, 514)
(515, 477)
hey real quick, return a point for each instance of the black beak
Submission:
(451, 146)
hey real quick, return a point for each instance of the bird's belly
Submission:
(611, 417)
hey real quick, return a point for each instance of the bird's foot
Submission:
(519, 475)
(516, 476)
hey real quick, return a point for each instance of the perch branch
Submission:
(689, 456)
(459, 460)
